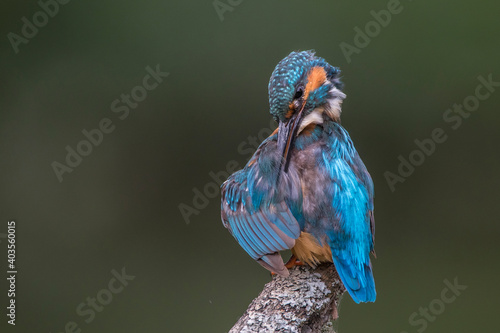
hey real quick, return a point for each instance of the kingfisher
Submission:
(305, 189)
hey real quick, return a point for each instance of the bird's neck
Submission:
(318, 116)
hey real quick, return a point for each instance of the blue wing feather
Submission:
(259, 220)
(352, 202)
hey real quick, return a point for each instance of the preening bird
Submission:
(305, 188)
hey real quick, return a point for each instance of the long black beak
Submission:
(287, 133)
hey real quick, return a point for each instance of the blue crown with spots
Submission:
(289, 73)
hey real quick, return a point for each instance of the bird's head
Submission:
(303, 89)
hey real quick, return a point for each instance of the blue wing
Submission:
(352, 240)
(253, 212)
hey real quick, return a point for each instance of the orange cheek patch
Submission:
(315, 79)
(290, 111)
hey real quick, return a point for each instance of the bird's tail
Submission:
(358, 282)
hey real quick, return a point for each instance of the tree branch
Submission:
(304, 302)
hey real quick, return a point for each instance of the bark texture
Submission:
(304, 302)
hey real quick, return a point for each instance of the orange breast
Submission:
(308, 250)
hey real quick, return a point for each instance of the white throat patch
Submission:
(315, 117)
(332, 109)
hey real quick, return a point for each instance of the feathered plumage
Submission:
(305, 186)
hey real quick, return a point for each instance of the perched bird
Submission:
(305, 188)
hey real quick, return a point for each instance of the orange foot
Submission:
(292, 262)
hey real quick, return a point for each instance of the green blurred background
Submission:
(120, 206)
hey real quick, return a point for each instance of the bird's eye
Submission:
(298, 93)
